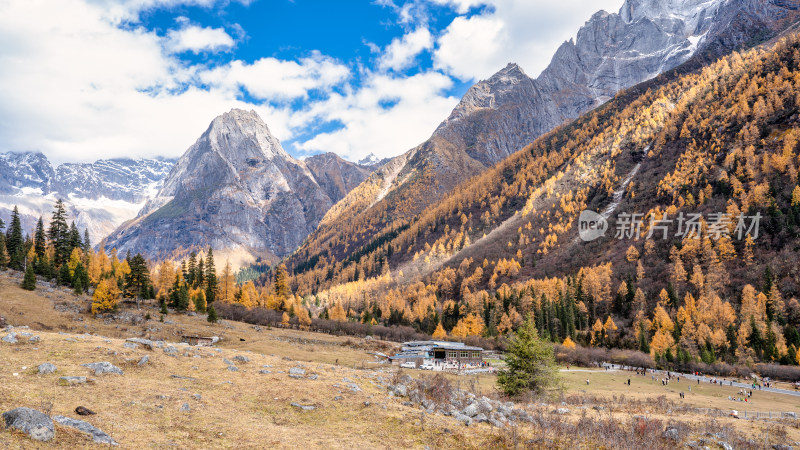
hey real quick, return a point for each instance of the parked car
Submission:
(408, 365)
(427, 366)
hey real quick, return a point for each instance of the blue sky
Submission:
(87, 79)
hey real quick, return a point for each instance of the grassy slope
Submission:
(246, 409)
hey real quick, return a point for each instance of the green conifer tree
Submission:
(211, 278)
(39, 239)
(212, 314)
(530, 363)
(29, 282)
(15, 242)
(58, 233)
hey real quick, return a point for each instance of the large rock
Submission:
(71, 381)
(471, 410)
(104, 367)
(10, 338)
(31, 422)
(98, 435)
(46, 368)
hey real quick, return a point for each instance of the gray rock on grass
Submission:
(104, 367)
(31, 422)
(46, 368)
(98, 435)
(71, 381)
(304, 407)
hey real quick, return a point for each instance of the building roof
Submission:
(437, 345)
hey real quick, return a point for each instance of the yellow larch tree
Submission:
(439, 333)
(105, 297)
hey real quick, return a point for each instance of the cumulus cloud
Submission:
(402, 51)
(387, 116)
(274, 79)
(522, 31)
(198, 39)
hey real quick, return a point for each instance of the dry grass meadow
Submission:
(250, 409)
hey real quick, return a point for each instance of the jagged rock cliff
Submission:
(238, 191)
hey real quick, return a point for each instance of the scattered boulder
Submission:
(46, 368)
(242, 358)
(145, 359)
(186, 408)
(104, 367)
(264, 372)
(34, 339)
(400, 390)
(313, 377)
(233, 368)
(10, 338)
(304, 407)
(671, 433)
(471, 410)
(297, 371)
(354, 388)
(31, 422)
(71, 381)
(171, 350)
(98, 436)
(466, 420)
(83, 411)
(562, 411)
(130, 345)
(147, 343)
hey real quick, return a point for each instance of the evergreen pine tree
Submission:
(211, 278)
(80, 279)
(74, 238)
(59, 234)
(183, 298)
(644, 345)
(212, 314)
(15, 242)
(138, 279)
(3, 253)
(39, 239)
(64, 277)
(530, 363)
(29, 282)
(87, 243)
(164, 309)
(200, 273)
(191, 270)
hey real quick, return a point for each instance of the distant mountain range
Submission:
(100, 195)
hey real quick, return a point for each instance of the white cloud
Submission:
(198, 39)
(527, 32)
(77, 87)
(402, 51)
(273, 79)
(417, 107)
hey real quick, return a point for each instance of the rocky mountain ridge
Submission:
(238, 191)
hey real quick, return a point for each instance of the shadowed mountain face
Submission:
(499, 116)
(239, 192)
